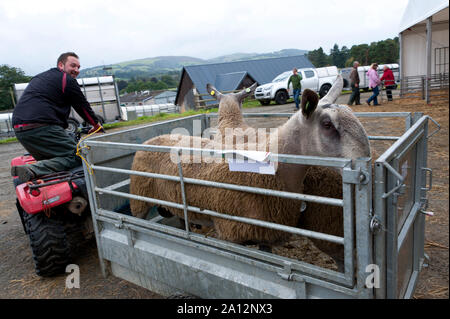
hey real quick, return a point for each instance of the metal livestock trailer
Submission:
(384, 222)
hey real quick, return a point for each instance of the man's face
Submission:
(71, 67)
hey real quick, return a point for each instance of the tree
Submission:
(169, 80)
(339, 57)
(8, 77)
(318, 58)
(121, 84)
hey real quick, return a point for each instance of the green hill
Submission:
(149, 67)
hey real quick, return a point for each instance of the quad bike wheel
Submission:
(49, 244)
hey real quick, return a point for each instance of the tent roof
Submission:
(418, 10)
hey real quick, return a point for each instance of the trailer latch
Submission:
(355, 176)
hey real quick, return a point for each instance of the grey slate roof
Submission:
(229, 81)
(262, 70)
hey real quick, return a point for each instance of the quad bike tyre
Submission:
(49, 244)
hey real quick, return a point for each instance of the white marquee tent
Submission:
(422, 52)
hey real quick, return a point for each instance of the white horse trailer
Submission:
(364, 80)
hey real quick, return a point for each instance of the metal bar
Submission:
(282, 158)
(428, 55)
(101, 99)
(116, 90)
(357, 114)
(183, 194)
(363, 207)
(392, 239)
(409, 222)
(384, 138)
(255, 222)
(349, 230)
(379, 234)
(249, 189)
(94, 214)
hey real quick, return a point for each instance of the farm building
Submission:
(424, 42)
(231, 76)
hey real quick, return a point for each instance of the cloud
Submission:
(34, 33)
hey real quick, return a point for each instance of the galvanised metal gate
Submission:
(169, 259)
(402, 180)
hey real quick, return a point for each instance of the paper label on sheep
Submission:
(250, 161)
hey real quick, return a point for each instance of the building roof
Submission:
(261, 70)
(229, 81)
(165, 94)
(418, 11)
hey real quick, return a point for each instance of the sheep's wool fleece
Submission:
(268, 208)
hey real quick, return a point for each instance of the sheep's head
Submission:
(231, 100)
(330, 129)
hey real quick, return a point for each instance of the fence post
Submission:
(196, 99)
(423, 88)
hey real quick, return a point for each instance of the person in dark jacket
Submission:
(40, 119)
(389, 81)
(354, 82)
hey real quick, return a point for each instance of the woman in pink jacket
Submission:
(374, 80)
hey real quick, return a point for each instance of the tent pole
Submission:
(429, 31)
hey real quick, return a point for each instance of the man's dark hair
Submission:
(63, 57)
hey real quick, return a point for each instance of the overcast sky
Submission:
(33, 33)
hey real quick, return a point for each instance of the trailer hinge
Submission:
(355, 176)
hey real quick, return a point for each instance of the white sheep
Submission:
(320, 129)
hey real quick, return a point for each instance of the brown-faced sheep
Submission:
(321, 129)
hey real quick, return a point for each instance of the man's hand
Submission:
(97, 125)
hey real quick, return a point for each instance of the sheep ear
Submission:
(246, 92)
(213, 92)
(310, 99)
(334, 92)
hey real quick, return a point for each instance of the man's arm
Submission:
(79, 103)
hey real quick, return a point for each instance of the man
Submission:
(354, 82)
(389, 81)
(40, 118)
(296, 79)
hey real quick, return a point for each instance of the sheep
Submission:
(231, 126)
(230, 107)
(320, 129)
(319, 181)
(326, 182)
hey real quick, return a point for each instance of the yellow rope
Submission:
(79, 149)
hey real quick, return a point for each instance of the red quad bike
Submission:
(55, 214)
